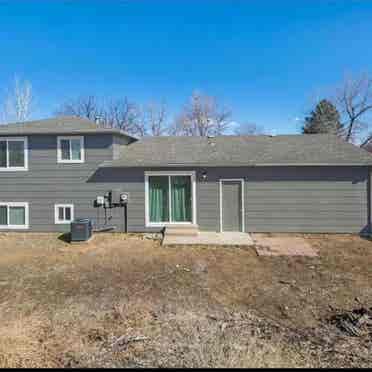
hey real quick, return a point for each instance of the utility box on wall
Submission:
(112, 199)
(124, 197)
(115, 196)
(119, 197)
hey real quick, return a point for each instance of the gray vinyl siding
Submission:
(47, 182)
(292, 199)
(117, 144)
(309, 200)
(128, 180)
(276, 199)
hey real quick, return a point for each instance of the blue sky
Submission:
(267, 60)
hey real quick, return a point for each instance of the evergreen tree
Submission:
(323, 119)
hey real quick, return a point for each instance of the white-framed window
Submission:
(70, 149)
(14, 215)
(63, 213)
(170, 198)
(13, 154)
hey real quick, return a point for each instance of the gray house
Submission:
(52, 171)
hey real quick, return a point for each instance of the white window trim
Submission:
(241, 180)
(25, 148)
(59, 150)
(16, 227)
(57, 221)
(193, 197)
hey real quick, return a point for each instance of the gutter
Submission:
(206, 165)
(67, 132)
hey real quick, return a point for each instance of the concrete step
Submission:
(182, 230)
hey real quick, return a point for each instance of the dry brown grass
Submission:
(182, 340)
(64, 306)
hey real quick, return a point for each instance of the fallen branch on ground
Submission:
(124, 341)
(355, 323)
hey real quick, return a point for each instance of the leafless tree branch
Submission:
(202, 116)
(84, 106)
(19, 101)
(154, 119)
(120, 113)
(354, 100)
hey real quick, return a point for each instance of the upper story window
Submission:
(70, 149)
(13, 154)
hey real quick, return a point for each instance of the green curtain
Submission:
(17, 216)
(3, 215)
(181, 198)
(158, 198)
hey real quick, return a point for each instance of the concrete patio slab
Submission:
(210, 238)
(283, 246)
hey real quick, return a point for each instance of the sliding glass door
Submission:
(170, 199)
(159, 199)
(181, 198)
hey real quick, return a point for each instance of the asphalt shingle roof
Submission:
(312, 149)
(240, 151)
(57, 125)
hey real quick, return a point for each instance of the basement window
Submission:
(14, 215)
(13, 154)
(70, 149)
(63, 213)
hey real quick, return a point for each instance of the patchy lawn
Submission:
(125, 301)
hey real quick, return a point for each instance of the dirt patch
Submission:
(283, 246)
(63, 305)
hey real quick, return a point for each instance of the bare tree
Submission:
(19, 101)
(154, 120)
(83, 106)
(354, 101)
(122, 114)
(249, 129)
(202, 116)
